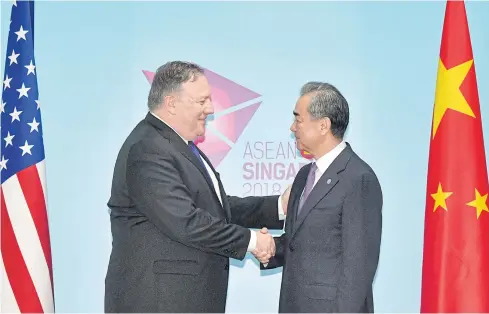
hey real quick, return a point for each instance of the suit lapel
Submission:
(324, 185)
(184, 149)
(295, 196)
(225, 204)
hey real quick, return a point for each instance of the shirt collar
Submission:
(186, 142)
(327, 159)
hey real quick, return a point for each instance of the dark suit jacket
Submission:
(172, 239)
(330, 251)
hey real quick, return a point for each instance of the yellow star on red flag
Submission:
(456, 165)
(440, 198)
(448, 94)
(480, 203)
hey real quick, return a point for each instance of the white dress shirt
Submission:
(253, 239)
(327, 159)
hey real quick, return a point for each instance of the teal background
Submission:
(382, 55)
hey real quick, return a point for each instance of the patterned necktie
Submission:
(194, 149)
(308, 187)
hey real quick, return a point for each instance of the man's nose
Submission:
(209, 109)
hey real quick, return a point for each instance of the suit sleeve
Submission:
(361, 236)
(157, 190)
(279, 258)
(255, 212)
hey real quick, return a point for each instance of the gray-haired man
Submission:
(330, 248)
(173, 226)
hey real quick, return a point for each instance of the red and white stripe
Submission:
(26, 267)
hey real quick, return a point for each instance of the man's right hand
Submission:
(265, 246)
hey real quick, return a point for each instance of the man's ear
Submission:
(169, 102)
(325, 125)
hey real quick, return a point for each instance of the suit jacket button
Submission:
(291, 248)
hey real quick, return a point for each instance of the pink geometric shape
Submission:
(220, 99)
(213, 147)
(233, 124)
(149, 76)
(225, 94)
(236, 93)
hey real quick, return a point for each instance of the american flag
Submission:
(25, 264)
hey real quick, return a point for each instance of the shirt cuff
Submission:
(252, 244)
(281, 213)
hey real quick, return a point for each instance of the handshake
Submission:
(265, 246)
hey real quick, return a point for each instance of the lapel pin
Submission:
(329, 181)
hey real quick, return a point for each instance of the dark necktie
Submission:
(308, 187)
(194, 149)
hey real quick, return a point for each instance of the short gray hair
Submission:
(169, 78)
(328, 102)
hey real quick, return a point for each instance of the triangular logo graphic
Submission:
(232, 115)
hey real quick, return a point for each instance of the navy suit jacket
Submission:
(331, 250)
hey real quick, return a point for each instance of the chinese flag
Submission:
(456, 237)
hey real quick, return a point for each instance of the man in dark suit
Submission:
(173, 226)
(330, 248)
